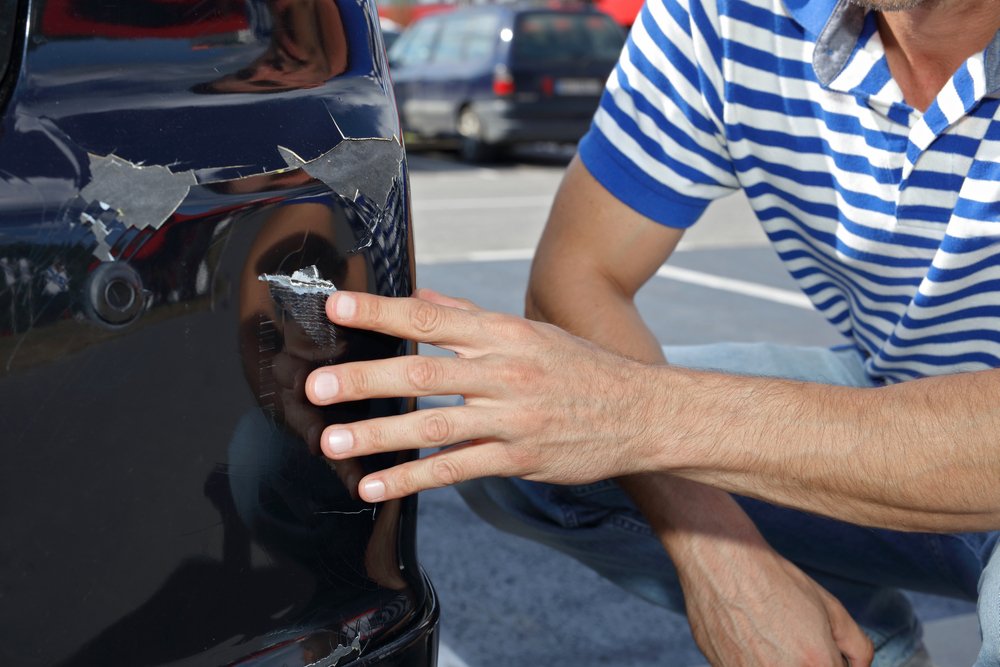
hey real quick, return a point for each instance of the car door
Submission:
(410, 62)
(473, 71)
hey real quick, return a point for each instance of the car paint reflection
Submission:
(158, 443)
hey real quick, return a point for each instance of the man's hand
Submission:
(759, 609)
(539, 403)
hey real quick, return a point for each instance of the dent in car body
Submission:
(171, 507)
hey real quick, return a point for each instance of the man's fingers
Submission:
(416, 430)
(444, 300)
(853, 643)
(413, 319)
(451, 466)
(408, 376)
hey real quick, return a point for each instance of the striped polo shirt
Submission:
(887, 218)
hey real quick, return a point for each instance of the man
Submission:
(866, 140)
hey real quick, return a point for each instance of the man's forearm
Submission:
(921, 455)
(679, 510)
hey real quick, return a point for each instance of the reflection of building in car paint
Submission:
(308, 46)
(149, 19)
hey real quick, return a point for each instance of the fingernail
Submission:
(326, 386)
(346, 306)
(374, 489)
(339, 441)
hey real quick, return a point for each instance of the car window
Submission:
(563, 37)
(449, 44)
(416, 44)
(480, 37)
(469, 39)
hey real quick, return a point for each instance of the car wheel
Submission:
(473, 147)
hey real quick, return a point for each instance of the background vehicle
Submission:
(390, 31)
(407, 11)
(180, 183)
(494, 76)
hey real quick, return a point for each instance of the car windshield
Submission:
(562, 37)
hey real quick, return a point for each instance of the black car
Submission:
(182, 183)
(494, 76)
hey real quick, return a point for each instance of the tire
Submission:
(473, 147)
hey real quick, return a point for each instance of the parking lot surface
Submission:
(506, 600)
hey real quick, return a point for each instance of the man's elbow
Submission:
(534, 302)
(547, 285)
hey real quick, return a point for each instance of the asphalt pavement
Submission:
(507, 601)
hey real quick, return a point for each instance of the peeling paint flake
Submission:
(339, 653)
(354, 166)
(143, 196)
(301, 282)
(100, 231)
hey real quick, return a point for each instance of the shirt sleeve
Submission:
(657, 142)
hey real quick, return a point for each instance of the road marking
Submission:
(676, 273)
(488, 174)
(477, 256)
(756, 290)
(448, 658)
(480, 203)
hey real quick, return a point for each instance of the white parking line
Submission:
(488, 174)
(475, 256)
(448, 658)
(700, 278)
(756, 290)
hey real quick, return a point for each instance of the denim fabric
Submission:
(863, 567)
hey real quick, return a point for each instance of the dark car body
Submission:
(494, 76)
(182, 182)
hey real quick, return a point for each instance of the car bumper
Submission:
(511, 122)
(417, 646)
(414, 646)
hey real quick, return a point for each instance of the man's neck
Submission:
(926, 44)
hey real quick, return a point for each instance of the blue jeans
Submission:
(863, 567)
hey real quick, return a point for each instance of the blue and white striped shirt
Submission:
(888, 219)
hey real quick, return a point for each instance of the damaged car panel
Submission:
(182, 183)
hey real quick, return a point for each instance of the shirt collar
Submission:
(835, 26)
(991, 66)
(813, 15)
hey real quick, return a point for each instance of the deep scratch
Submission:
(360, 511)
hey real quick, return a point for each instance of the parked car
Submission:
(182, 183)
(390, 31)
(499, 75)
